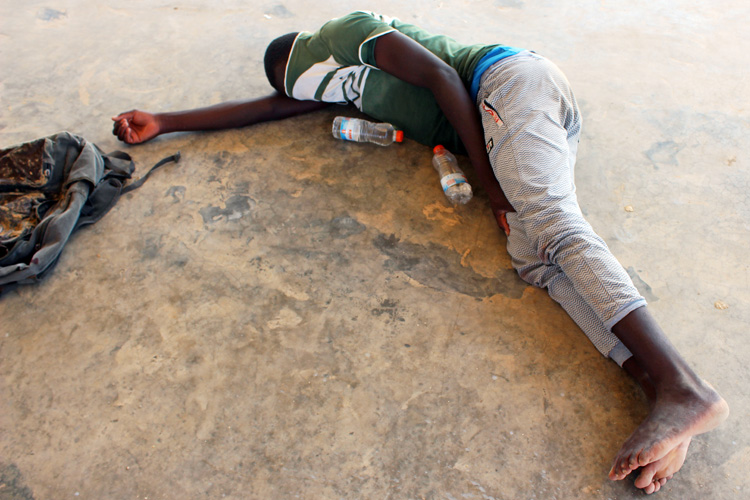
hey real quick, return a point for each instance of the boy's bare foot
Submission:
(656, 474)
(677, 415)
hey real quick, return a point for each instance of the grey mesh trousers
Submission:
(532, 126)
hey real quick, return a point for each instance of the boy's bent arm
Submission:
(135, 127)
(402, 57)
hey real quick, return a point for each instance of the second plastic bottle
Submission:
(455, 186)
(358, 130)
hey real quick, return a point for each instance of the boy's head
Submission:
(275, 59)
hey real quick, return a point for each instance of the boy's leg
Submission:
(532, 270)
(530, 130)
(532, 125)
(685, 405)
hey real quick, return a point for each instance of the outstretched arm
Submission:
(402, 57)
(135, 127)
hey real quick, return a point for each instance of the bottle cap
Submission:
(399, 136)
(437, 149)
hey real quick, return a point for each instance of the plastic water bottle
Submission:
(358, 130)
(453, 180)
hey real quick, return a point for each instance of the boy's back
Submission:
(336, 64)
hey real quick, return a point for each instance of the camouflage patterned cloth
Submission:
(49, 188)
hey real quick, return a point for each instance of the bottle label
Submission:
(350, 129)
(452, 180)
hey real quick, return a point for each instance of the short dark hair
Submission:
(277, 52)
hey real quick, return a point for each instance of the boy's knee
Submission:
(576, 239)
(536, 273)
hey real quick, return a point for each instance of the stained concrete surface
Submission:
(282, 315)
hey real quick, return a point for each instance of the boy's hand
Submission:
(502, 220)
(500, 207)
(135, 127)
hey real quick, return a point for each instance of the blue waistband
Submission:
(488, 60)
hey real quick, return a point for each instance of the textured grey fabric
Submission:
(532, 126)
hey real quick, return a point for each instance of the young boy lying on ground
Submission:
(513, 113)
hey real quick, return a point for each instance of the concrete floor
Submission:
(282, 315)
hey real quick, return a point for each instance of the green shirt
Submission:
(337, 64)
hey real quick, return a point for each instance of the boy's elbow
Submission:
(440, 76)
